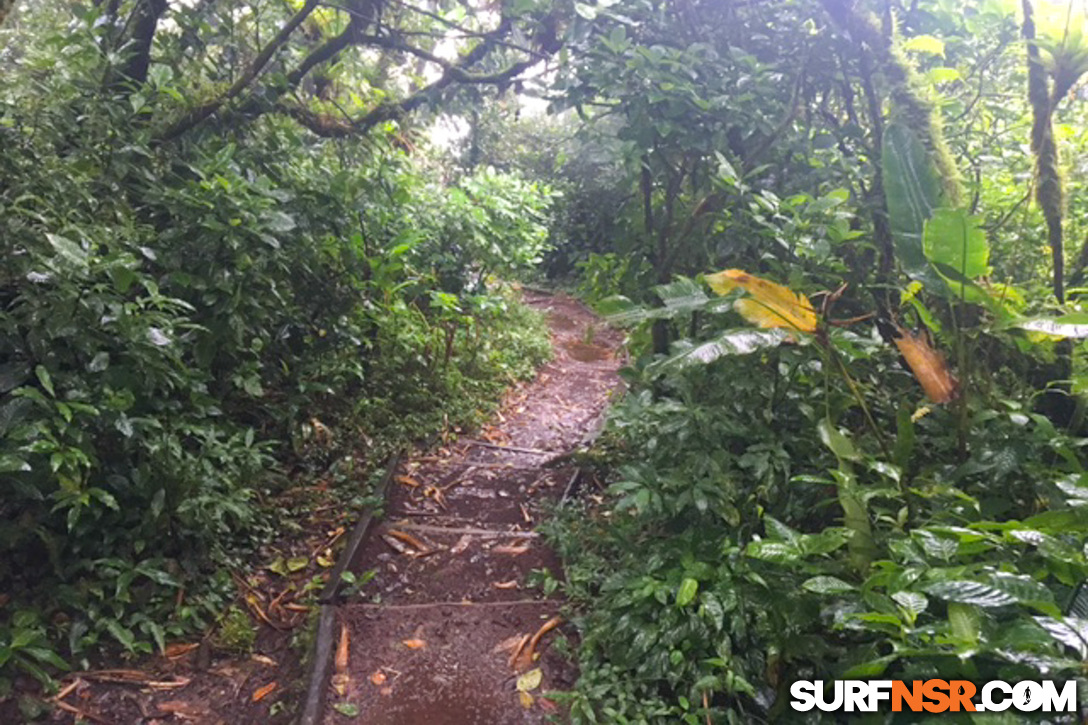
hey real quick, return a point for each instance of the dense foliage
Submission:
(186, 326)
(783, 503)
(232, 257)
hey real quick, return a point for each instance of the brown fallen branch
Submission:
(527, 655)
(516, 654)
(514, 449)
(81, 714)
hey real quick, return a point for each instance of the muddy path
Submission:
(435, 636)
(447, 581)
(450, 563)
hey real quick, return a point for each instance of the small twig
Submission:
(525, 659)
(514, 449)
(81, 713)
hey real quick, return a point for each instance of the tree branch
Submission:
(202, 113)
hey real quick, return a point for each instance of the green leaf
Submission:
(837, 441)
(348, 709)
(913, 602)
(1069, 631)
(686, 594)
(12, 375)
(942, 74)
(954, 237)
(67, 251)
(926, 44)
(10, 463)
(731, 342)
(827, 585)
(45, 379)
(912, 193)
(773, 551)
(969, 592)
(964, 621)
(99, 363)
(122, 634)
(1072, 325)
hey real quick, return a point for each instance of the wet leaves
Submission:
(526, 684)
(286, 567)
(530, 680)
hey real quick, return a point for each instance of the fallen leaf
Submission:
(386, 691)
(178, 649)
(528, 655)
(342, 650)
(547, 705)
(530, 680)
(279, 566)
(461, 544)
(349, 709)
(395, 545)
(512, 584)
(378, 678)
(414, 643)
(526, 700)
(340, 682)
(262, 692)
(516, 653)
(175, 684)
(408, 481)
(410, 540)
(182, 709)
(509, 643)
(511, 549)
(264, 660)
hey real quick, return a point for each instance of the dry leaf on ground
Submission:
(262, 692)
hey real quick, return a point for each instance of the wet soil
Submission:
(429, 623)
(450, 570)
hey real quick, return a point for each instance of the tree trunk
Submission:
(1048, 182)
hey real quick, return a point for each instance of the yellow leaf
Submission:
(526, 700)
(414, 643)
(530, 680)
(769, 305)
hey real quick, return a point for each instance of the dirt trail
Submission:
(430, 650)
(474, 508)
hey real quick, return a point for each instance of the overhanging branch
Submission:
(203, 112)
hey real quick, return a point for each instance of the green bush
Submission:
(173, 319)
